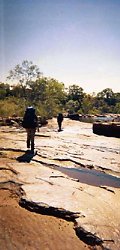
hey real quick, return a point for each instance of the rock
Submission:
(93, 209)
(107, 129)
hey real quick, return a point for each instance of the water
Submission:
(76, 145)
(91, 177)
(103, 118)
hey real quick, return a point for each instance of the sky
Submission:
(73, 41)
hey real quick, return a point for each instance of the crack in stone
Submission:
(70, 160)
(45, 209)
(49, 182)
(88, 237)
(56, 165)
(14, 187)
(63, 160)
(42, 135)
(108, 189)
(42, 208)
(12, 149)
(61, 176)
(8, 169)
(10, 182)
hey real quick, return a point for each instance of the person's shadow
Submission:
(26, 157)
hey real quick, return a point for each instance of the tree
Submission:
(12, 105)
(117, 108)
(76, 94)
(24, 73)
(37, 90)
(18, 91)
(55, 96)
(88, 105)
(4, 90)
(107, 95)
(72, 106)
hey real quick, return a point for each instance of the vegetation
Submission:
(49, 96)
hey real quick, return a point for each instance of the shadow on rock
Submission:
(27, 157)
(60, 130)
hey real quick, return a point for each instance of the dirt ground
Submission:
(21, 229)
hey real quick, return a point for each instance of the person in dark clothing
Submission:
(59, 121)
(30, 123)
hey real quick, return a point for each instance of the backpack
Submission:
(60, 117)
(30, 118)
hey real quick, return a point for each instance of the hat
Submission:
(30, 107)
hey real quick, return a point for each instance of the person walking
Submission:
(30, 123)
(59, 121)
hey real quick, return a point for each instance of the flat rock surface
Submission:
(89, 195)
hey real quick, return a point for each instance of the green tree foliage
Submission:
(37, 91)
(49, 96)
(72, 106)
(12, 106)
(55, 96)
(18, 91)
(107, 95)
(76, 95)
(107, 100)
(4, 90)
(117, 97)
(88, 105)
(24, 73)
(117, 108)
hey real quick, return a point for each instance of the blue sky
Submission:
(73, 41)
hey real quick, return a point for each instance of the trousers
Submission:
(30, 137)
